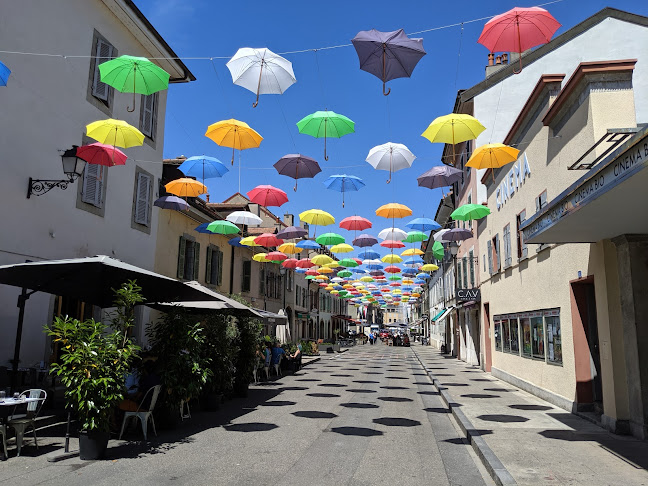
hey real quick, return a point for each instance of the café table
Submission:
(5, 403)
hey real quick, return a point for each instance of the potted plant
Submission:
(247, 341)
(95, 359)
(220, 347)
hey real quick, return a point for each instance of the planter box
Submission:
(324, 348)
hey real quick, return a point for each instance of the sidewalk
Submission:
(524, 440)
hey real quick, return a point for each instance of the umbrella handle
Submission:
(325, 156)
(254, 105)
(134, 76)
(232, 155)
(388, 91)
(517, 22)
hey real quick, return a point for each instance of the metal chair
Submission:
(3, 431)
(144, 413)
(277, 366)
(20, 423)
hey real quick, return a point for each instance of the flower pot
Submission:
(93, 444)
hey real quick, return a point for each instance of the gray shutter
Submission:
(142, 198)
(509, 257)
(219, 274)
(498, 263)
(181, 256)
(148, 114)
(489, 250)
(92, 185)
(103, 53)
(210, 257)
(196, 261)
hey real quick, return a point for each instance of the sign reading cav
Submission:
(512, 181)
(466, 295)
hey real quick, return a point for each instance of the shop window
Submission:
(525, 329)
(537, 337)
(513, 332)
(521, 244)
(554, 341)
(506, 336)
(497, 335)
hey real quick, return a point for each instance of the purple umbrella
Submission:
(297, 166)
(292, 232)
(388, 55)
(376, 273)
(171, 202)
(439, 176)
(457, 234)
(365, 240)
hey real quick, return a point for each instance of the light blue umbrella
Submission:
(423, 275)
(203, 167)
(423, 224)
(415, 260)
(308, 245)
(344, 183)
(368, 255)
(301, 270)
(4, 74)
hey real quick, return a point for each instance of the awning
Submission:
(438, 315)
(272, 319)
(206, 306)
(444, 314)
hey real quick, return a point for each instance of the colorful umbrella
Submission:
(348, 262)
(392, 269)
(393, 210)
(305, 263)
(317, 217)
(260, 257)
(388, 55)
(440, 176)
(297, 166)
(329, 239)
(244, 217)
(185, 187)
(355, 223)
(321, 259)
(171, 202)
(4, 74)
(101, 154)
(236, 241)
(292, 232)
(345, 273)
(423, 224)
(344, 183)
(342, 248)
(268, 240)
(261, 71)
(517, 30)
(439, 234)
(456, 234)
(323, 124)
(437, 250)
(492, 156)
(202, 228)
(289, 248)
(392, 244)
(276, 256)
(392, 234)
(223, 228)
(267, 196)
(115, 132)
(364, 240)
(412, 251)
(390, 156)
(130, 74)
(235, 134)
(369, 254)
(469, 212)
(415, 236)
(203, 167)
(289, 263)
(248, 241)
(308, 245)
(453, 129)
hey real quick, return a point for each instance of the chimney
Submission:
(207, 197)
(505, 58)
(491, 56)
(289, 219)
(498, 60)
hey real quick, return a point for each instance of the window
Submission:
(247, 276)
(525, 326)
(472, 269)
(92, 191)
(214, 272)
(541, 201)
(188, 258)
(537, 336)
(506, 336)
(143, 190)
(507, 246)
(465, 272)
(521, 244)
(458, 273)
(103, 51)
(262, 281)
(554, 342)
(148, 115)
(513, 333)
(494, 255)
(497, 335)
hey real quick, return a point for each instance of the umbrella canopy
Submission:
(260, 257)
(130, 74)
(369, 255)
(235, 134)
(392, 244)
(101, 154)
(439, 234)
(413, 261)
(317, 217)
(342, 248)
(437, 250)
(292, 232)
(236, 241)
(390, 156)
(414, 236)
(305, 263)
(393, 210)
(412, 251)
(276, 256)
(388, 55)
(268, 240)
(203, 167)
(223, 228)
(345, 273)
(391, 258)
(261, 71)
(423, 224)
(348, 262)
(324, 270)
(289, 263)
(202, 228)
(429, 267)
(393, 269)
(267, 196)
(355, 223)
(392, 234)
(244, 217)
(453, 129)
(4, 74)
(469, 212)
(324, 124)
(115, 132)
(297, 166)
(249, 241)
(171, 202)
(364, 240)
(321, 259)
(330, 239)
(344, 183)
(492, 156)
(308, 245)
(185, 187)
(518, 29)
(289, 248)
(457, 234)
(439, 176)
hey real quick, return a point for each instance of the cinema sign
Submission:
(466, 295)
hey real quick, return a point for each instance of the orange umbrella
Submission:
(186, 187)
(393, 210)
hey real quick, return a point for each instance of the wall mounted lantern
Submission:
(72, 167)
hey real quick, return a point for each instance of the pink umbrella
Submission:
(101, 154)
(289, 263)
(266, 195)
(276, 256)
(268, 240)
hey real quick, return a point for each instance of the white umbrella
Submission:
(392, 234)
(261, 71)
(439, 234)
(390, 156)
(244, 217)
(337, 279)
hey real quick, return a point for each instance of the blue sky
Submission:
(329, 79)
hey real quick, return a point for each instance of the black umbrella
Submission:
(297, 166)
(388, 55)
(439, 176)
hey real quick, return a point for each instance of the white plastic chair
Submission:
(143, 414)
(277, 366)
(20, 423)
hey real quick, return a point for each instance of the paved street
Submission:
(365, 417)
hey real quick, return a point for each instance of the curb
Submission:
(495, 468)
(314, 360)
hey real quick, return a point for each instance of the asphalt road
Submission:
(369, 416)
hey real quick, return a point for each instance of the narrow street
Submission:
(368, 416)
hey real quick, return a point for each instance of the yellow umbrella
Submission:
(333, 264)
(452, 129)
(260, 257)
(347, 286)
(233, 133)
(410, 252)
(415, 294)
(113, 132)
(429, 267)
(329, 287)
(289, 248)
(366, 279)
(342, 248)
(248, 241)
(407, 281)
(321, 277)
(391, 258)
(325, 270)
(393, 210)
(492, 156)
(321, 259)
(335, 292)
(317, 217)
(186, 187)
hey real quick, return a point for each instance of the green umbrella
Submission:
(310, 277)
(438, 250)
(329, 239)
(344, 273)
(470, 211)
(323, 124)
(348, 262)
(130, 74)
(394, 277)
(223, 227)
(414, 236)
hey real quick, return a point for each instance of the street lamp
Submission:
(72, 167)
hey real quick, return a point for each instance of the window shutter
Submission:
(148, 115)
(537, 201)
(181, 256)
(142, 201)
(92, 185)
(498, 258)
(472, 270)
(210, 256)
(489, 250)
(196, 261)
(103, 53)
(219, 274)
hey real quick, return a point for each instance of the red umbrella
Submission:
(355, 223)
(312, 272)
(101, 154)
(267, 196)
(518, 29)
(357, 260)
(392, 269)
(395, 284)
(392, 244)
(305, 263)
(276, 256)
(323, 284)
(290, 263)
(268, 240)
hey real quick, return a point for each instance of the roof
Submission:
(532, 56)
